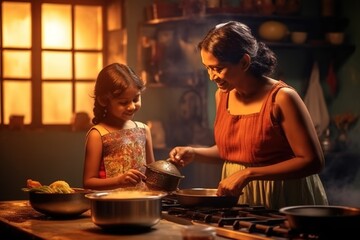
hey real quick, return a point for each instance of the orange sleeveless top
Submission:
(253, 139)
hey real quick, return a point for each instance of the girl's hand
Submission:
(182, 156)
(131, 178)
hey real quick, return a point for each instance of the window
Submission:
(51, 53)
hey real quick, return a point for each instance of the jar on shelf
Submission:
(193, 8)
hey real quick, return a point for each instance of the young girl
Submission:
(117, 148)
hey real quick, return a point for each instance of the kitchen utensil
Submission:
(298, 37)
(60, 205)
(335, 38)
(198, 232)
(273, 31)
(162, 175)
(204, 197)
(320, 219)
(125, 208)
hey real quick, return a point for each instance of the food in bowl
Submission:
(58, 199)
(59, 186)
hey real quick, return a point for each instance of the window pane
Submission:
(56, 65)
(88, 27)
(17, 100)
(84, 97)
(56, 102)
(16, 19)
(17, 64)
(87, 65)
(56, 26)
(114, 16)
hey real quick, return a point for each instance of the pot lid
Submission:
(165, 166)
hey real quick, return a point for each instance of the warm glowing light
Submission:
(88, 27)
(56, 65)
(68, 73)
(84, 97)
(56, 101)
(15, 103)
(56, 26)
(16, 29)
(87, 65)
(17, 64)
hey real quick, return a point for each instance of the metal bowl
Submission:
(204, 197)
(165, 166)
(124, 209)
(162, 175)
(60, 205)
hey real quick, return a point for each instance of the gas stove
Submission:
(238, 222)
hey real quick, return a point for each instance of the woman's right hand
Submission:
(182, 156)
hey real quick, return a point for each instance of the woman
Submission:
(262, 129)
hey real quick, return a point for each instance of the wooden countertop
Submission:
(18, 220)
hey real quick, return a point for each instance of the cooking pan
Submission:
(124, 209)
(203, 197)
(323, 220)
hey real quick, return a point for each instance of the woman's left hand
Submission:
(232, 185)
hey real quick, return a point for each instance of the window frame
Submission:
(36, 66)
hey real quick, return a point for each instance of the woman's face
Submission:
(126, 105)
(226, 75)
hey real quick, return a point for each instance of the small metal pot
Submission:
(162, 175)
(125, 209)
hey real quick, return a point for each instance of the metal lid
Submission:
(165, 166)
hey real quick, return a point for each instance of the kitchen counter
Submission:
(18, 220)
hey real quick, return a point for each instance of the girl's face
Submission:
(126, 105)
(226, 75)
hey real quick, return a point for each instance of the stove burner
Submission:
(168, 202)
(239, 222)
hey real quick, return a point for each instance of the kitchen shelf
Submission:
(297, 21)
(173, 78)
(315, 26)
(248, 18)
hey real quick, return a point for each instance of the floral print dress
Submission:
(122, 150)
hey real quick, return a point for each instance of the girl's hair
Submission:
(229, 41)
(111, 82)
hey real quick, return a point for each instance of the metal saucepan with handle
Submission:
(203, 197)
(162, 175)
(323, 220)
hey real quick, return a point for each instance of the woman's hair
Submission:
(229, 41)
(112, 81)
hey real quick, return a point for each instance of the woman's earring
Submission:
(104, 113)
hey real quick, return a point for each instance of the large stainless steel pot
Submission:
(195, 197)
(162, 175)
(323, 220)
(125, 208)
